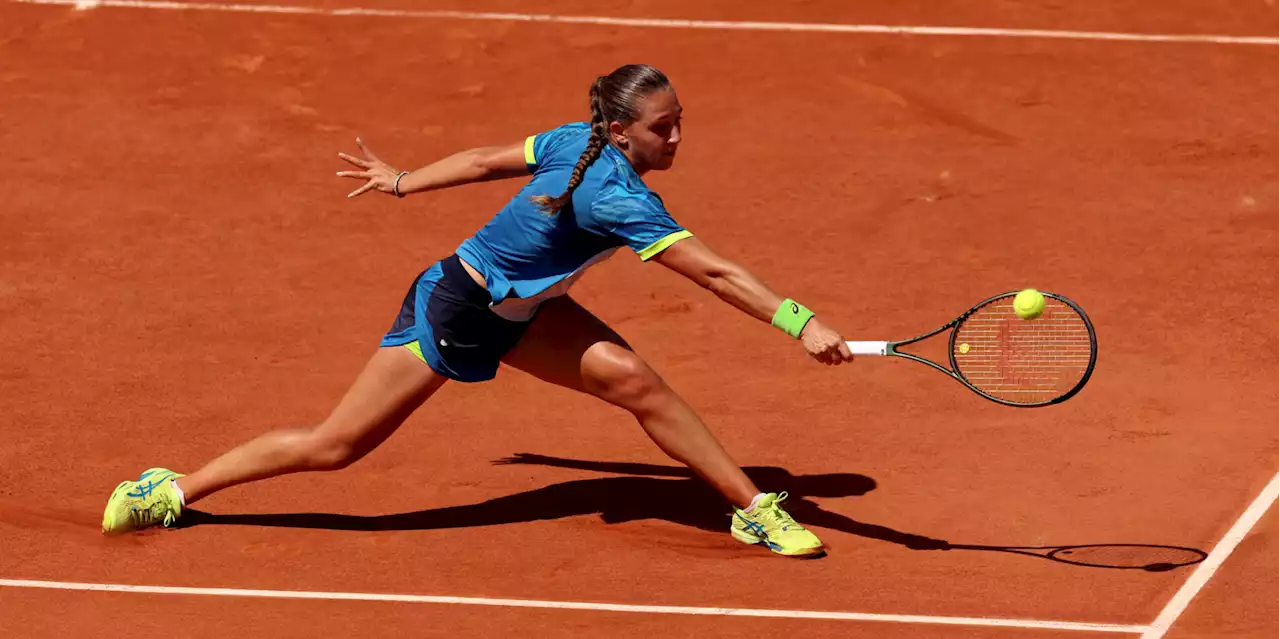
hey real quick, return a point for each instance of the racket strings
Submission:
(1023, 361)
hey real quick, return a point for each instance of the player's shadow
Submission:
(674, 494)
(643, 491)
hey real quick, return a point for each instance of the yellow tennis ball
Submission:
(1028, 304)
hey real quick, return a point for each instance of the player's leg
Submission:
(392, 385)
(568, 346)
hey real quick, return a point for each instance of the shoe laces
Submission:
(141, 516)
(778, 514)
(144, 516)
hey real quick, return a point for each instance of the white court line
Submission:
(1210, 565)
(579, 605)
(668, 23)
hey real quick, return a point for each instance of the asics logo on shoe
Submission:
(752, 527)
(145, 490)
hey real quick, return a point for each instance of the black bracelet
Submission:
(395, 188)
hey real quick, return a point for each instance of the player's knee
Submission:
(622, 377)
(328, 453)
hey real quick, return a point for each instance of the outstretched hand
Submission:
(825, 344)
(379, 174)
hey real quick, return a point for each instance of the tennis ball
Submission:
(1028, 304)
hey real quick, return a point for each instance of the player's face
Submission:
(651, 141)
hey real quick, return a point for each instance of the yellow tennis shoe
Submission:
(150, 501)
(770, 525)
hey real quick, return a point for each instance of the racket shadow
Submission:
(641, 491)
(1144, 557)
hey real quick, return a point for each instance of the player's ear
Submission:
(618, 133)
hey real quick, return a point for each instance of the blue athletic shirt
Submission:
(528, 256)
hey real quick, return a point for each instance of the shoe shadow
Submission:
(674, 494)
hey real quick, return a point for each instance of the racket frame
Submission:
(890, 349)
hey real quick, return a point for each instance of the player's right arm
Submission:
(740, 288)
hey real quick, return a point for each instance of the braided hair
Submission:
(613, 98)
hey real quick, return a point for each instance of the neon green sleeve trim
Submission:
(662, 244)
(529, 158)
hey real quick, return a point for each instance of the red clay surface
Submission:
(217, 618)
(1233, 604)
(1172, 16)
(180, 271)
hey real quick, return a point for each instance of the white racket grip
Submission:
(868, 348)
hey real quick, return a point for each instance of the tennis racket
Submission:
(1009, 360)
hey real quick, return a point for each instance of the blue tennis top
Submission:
(528, 256)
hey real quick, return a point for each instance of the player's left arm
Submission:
(737, 286)
(480, 164)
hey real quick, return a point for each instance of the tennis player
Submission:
(502, 297)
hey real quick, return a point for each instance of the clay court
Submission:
(180, 271)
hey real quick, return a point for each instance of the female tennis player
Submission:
(502, 297)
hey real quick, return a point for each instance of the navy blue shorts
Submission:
(446, 321)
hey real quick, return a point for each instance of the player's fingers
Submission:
(369, 154)
(845, 353)
(837, 357)
(364, 175)
(827, 356)
(355, 160)
(368, 185)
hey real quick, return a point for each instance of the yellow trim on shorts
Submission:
(529, 158)
(416, 348)
(662, 244)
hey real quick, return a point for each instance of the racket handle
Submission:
(869, 348)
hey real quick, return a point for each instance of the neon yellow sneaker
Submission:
(770, 525)
(139, 504)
